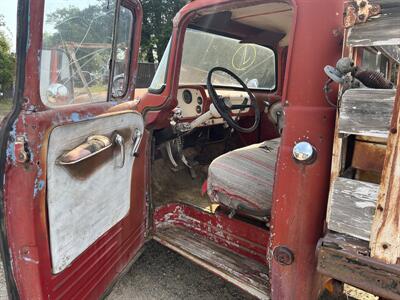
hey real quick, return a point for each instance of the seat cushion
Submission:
(243, 179)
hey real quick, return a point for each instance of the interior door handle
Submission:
(93, 145)
(119, 140)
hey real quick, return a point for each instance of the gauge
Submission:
(187, 96)
(198, 109)
(199, 100)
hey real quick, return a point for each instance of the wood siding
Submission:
(366, 112)
(352, 207)
(378, 31)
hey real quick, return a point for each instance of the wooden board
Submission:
(352, 207)
(392, 51)
(385, 238)
(347, 260)
(239, 270)
(366, 112)
(377, 31)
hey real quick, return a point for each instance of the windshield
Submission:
(202, 51)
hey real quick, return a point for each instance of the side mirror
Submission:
(56, 79)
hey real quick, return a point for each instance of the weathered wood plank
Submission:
(386, 3)
(366, 112)
(347, 260)
(385, 237)
(250, 275)
(337, 161)
(377, 31)
(392, 51)
(352, 208)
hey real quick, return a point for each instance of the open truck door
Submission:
(73, 151)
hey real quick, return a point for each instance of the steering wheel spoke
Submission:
(240, 106)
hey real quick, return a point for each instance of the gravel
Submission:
(163, 274)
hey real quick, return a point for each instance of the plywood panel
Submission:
(366, 112)
(86, 200)
(352, 208)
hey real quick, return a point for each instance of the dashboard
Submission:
(195, 101)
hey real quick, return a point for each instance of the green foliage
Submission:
(71, 24)
(87, 31)
(157, 26)
(7, 64)
(92, 24)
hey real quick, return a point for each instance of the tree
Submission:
(71, 24)
(157, 26)
(7, 62)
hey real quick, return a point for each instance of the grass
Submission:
(5, 106)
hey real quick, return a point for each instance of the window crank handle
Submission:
(137, 137)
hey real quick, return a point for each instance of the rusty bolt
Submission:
(380, 208)
(363, 3)
(283, 255)
(361, 17)
(385, 246)
(393, 130)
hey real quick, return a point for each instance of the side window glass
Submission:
(123, 52)
(76, 51)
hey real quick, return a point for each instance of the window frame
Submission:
(122, 4)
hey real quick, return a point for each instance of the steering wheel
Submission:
(225, 107)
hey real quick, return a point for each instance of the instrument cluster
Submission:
(191, 102)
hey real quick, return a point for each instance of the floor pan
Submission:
(245, 273)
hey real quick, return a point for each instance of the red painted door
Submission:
(73, 151)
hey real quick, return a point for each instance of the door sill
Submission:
(247, 274)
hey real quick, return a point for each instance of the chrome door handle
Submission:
(93, 145)
(137, 137)
(119, 140)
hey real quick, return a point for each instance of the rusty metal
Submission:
(20, 150)
(349, 261)
(359, 11)
(368, 156)
(283, 255)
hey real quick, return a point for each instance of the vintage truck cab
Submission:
(226, 159)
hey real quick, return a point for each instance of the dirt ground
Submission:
(162, 274)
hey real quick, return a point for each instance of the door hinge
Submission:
(21, 150)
